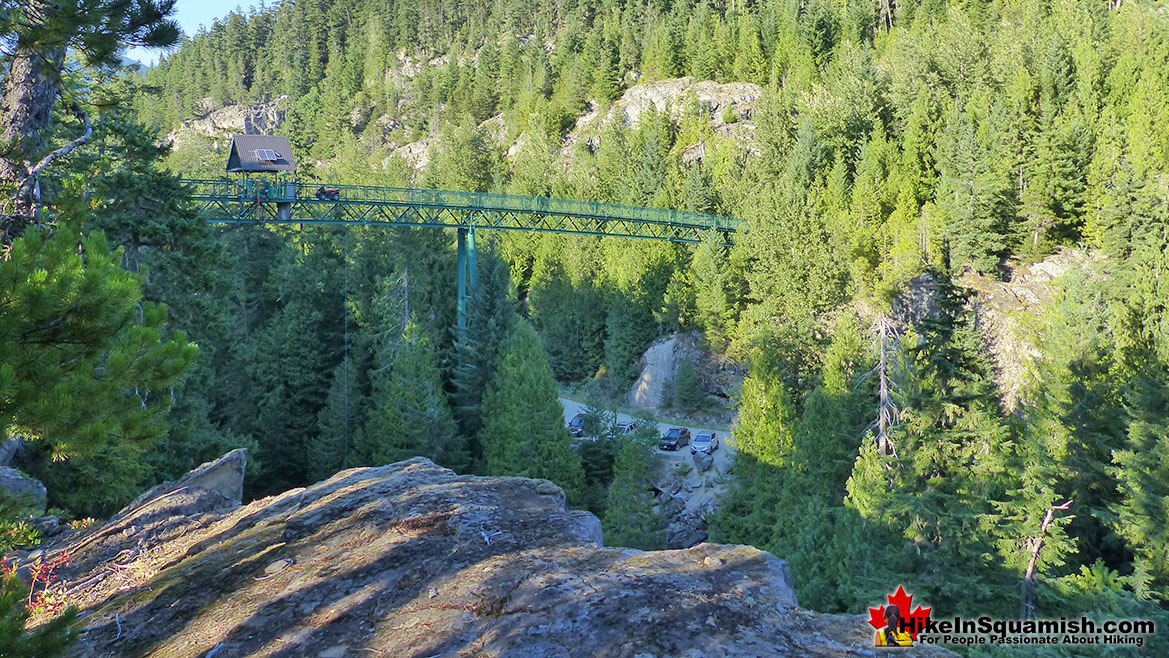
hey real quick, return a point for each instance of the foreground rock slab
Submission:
(412, 560)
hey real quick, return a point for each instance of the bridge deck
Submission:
(224, 201)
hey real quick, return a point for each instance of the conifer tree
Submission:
(38, 34)
(338, 424)
(491, 314)
(629, 519)
(687, 388)
(291, 371)
(409, 415)
(523, 428)
(629, 329)
(571, 319)
(948, 457)
(750, 64)
(972, 196)
(47, 640)
(85, 362)
(1141, 469)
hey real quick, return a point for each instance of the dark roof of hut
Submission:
(260, 153)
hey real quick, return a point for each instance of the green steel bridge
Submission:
(233, 201)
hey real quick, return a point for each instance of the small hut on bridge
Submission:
(269, 156)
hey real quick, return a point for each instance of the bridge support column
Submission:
(467, 272)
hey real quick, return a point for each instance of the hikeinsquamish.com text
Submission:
(1062, 631)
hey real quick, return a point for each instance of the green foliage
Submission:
(523, 430)
(1141, 469)
(338, 424)
(973, 197)
(687, 388)
(629, 330)
(15, 531)
(571, 318)
(491, 314)
(466, 159)
(48, 640)
(950, 456)
(942, 137)
(409, 414)
(714, 289)
(84, 362)
(629, 518)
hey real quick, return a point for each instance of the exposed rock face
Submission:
(412, 560)
(730, 108)
(720, 377)
(416, 154)
(224, 476)
(1005, 309)
(670, 96)
(258, 119)
(29, 491)
(8, 450)
(658, 367)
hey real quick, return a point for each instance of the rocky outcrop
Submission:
(27, 492)
(223, 477)
(729, 107)
(412, 560)
(658, 365)
(720, 378)
(416, 154)
(8, 450)
(221, 123)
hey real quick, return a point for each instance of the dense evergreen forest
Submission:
(892, 140)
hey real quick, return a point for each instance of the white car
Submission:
(704, 442)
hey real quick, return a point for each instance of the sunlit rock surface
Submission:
(412, 560)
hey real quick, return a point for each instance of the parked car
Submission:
(674, 438)
(704, 442)
(620, 428)
(576, 425)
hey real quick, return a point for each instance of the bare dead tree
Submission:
(887, 411)
(888, 414)
(888, 8)
(1034, 546)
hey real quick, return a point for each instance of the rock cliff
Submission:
(729, 107)
(221, 123)
(412, 560)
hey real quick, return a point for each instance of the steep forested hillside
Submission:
(891, 140)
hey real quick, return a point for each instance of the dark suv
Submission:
(674, 438)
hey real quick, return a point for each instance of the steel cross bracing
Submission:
(223, 201)
(230, 202)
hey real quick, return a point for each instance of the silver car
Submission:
(704, 442)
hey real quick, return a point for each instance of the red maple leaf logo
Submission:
(911, 622)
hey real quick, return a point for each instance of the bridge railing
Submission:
(227, 190)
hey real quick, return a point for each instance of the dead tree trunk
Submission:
(886, 410)
(886, 14)
(1035, 545)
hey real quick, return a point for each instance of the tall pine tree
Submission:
(523, 428)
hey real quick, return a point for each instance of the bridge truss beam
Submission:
(222, 202)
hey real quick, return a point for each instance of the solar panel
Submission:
(267, 155)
